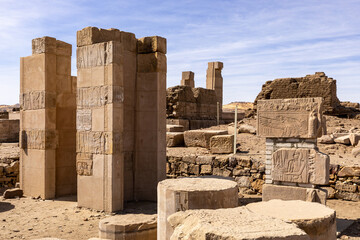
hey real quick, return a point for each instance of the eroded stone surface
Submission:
(222, 144)
(236, 223)
(201, 138)
(174, 139)
(296, 117)
(317, 220)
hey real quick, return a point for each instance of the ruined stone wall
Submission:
(317, 85)
(9, 130)
(185, 102)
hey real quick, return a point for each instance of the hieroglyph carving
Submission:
(99, 54)
(37, 100)
(38, 139)
(297, 117)
(181, 201)
(300, 166)
(99, 96)
(83, 119)
(97, 142)
(84, 164)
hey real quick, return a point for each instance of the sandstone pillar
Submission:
(214, 80)
(188, 79)
(106, 62)
(150, 155)
(47, 98)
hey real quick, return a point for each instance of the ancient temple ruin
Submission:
(101, 135)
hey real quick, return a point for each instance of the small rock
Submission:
(326, 139)
(245, 128)
(12, 193)
(343, 140)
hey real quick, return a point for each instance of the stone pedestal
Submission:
(192, 193)
(128, 227)
(47, 125)
(318, 221)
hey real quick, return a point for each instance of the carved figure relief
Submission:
(84, 164)
(38, 139)
(99, 96)
(37, 100)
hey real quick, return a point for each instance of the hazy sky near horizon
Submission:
(257, 40)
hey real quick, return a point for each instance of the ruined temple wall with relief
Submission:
(317, 85)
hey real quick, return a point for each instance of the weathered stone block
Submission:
(151, 62)
(206, 169)
(222, 144)
(346, 187)
(270, 191)
(343, 140)
(44, 45)
(300, 166)
(349, 172)
(151, 44)
(174, 128)
(354, 138)
(296, 117)
(174, 139)
(200, 138)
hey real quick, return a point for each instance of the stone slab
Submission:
(317, 220)
(128, 226)
(174, 139)
(174, 128)
(236, 223)
(271, 191)
(294, 117)
(192, 193)
(300, 166)
(222, 144)
(182, 122)
(201, 138)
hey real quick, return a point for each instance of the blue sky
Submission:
(257, 40)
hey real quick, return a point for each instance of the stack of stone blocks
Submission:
(294, 166)
(48, 108)
(101, 135)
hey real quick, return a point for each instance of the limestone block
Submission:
(63, 48)
(182, 122)
(151, 62)
(205, 169)
(343, 140)
(176, 195)
(200, 160)
(128, 226)
(174, 139)
(174, 128)
(326, 139)
(235, 223)
(317, 220)
(44, 45)
(346, 187)
(222, 144)
(245, 128)
(349, 172)
(301, 166)
(201, 138)
(151, 44)
(294, 117)
(270, 191)
(354, 138)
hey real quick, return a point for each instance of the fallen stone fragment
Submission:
(174, 139)
(326, 139)
(235, 223)
(222, 144)
(245, 128)
(200, 138)
(12, 193)
(356, 151)
(343, 140)
(317, 220)
(349, 172)
(354, 138)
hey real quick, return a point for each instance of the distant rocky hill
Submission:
(8, 107)
(242, 106)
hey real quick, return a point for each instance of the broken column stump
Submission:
(192, 193)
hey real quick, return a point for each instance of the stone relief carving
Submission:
(83, 119)
(99, 96)
(299, 117)
(37, 100)
(84, 164)
(181, 201)
(97, 142)
(38, 139)
(300, 166)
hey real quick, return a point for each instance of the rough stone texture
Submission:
(301, 166)
(317, 220)
(271, 191)
(343, 140)
(354, 138)
(174, 128)
(200, 138)
(317, 85)
(349, 172)
(9, 130)
(245, 128)
(174, 139)
(48, 117)
(180, 122)
(128, 226)
(326, 139)
(291, 118)
(12, 193)
(236, 223)
(176, 195)
(188, 79)
(151, 45)
(4, 115)
(222, 144)
(355, 151)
